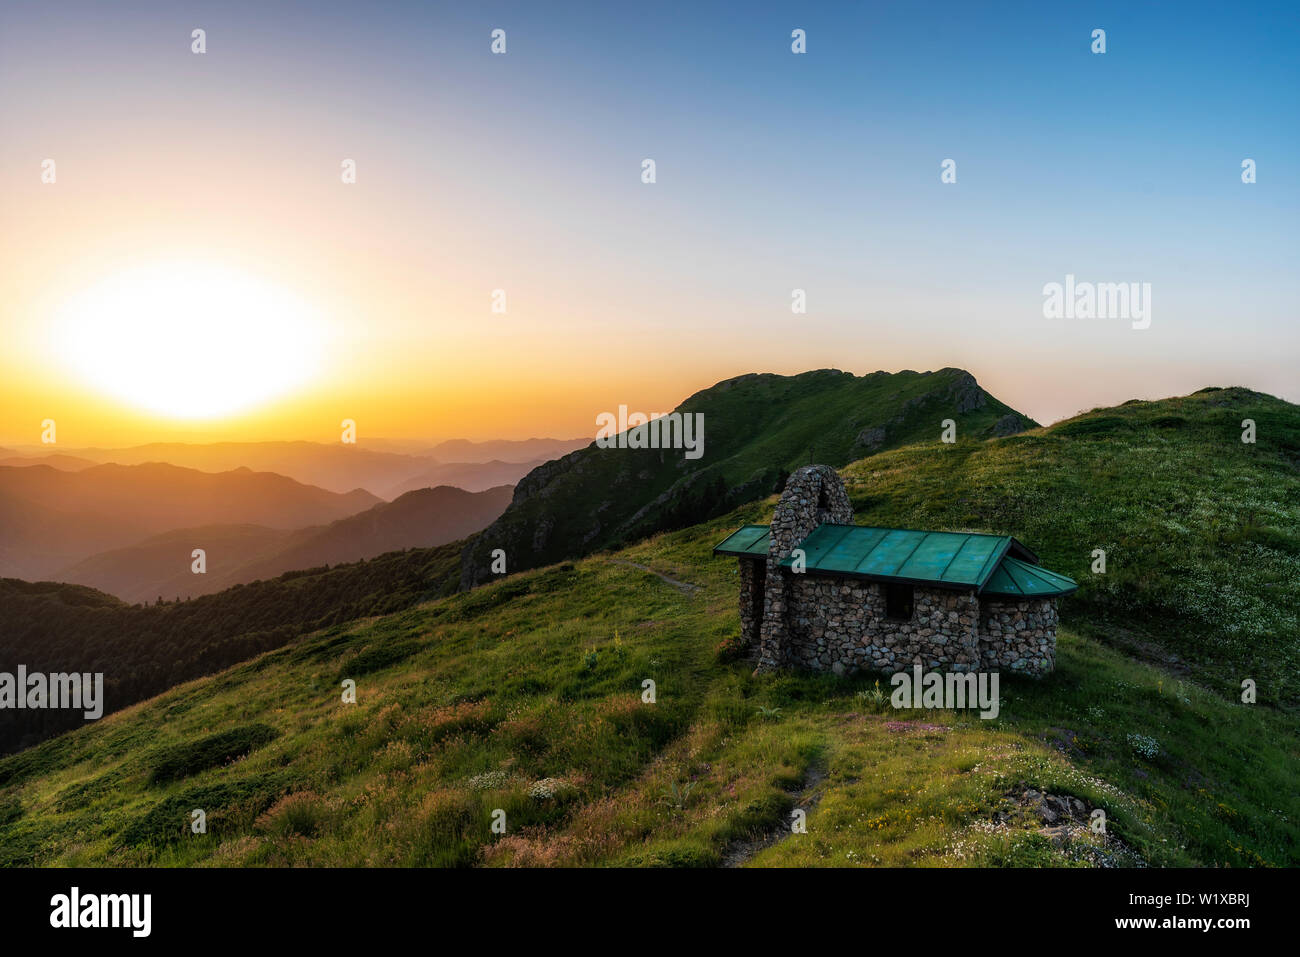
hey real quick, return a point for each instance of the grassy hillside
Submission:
(53, 627)
(525, 696)
(757, 428)
(1201, 531)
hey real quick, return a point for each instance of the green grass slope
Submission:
(525, 697)
(1201, 531)
(757, 428)
(142, 651)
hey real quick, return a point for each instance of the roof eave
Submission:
(1021, 596)
(1029, 554)
(865, 576)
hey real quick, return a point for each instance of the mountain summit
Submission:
(757, 428)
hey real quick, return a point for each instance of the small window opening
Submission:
(898, 602)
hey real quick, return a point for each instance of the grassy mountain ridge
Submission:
(757, 429)
(1201, 532)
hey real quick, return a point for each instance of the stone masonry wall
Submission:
(839, 625)
(1020, 635)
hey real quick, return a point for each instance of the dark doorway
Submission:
(760, 580)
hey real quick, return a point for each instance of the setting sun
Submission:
(187, 340)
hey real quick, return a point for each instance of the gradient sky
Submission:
(775, 171)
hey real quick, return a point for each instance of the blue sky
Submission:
(775, 171)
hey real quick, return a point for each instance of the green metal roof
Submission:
(750, 540)
(943, 558)
(990, 564)
(1018, 579)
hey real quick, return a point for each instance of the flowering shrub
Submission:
(730, 648)
(489, 781)
(547, 788)
(1143, 745)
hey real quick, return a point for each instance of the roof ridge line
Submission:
(991, 565)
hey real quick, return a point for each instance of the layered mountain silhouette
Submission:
(65, 463)
(160, 566)
(757, 428)
(236, 554)
(470, 476)
(334, 467)
(506, 450)
(50, 518)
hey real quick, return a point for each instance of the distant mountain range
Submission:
(503, 450)
(422, 518)
(65, 463)
(159, 566)
(758, 428)
(237, 554)
(470, 476)
(50, 518)
(335, 467)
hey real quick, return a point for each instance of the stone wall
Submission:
(839, 625)
(1019, 635)
(813, 495)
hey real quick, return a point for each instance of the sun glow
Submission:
(189, 341)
